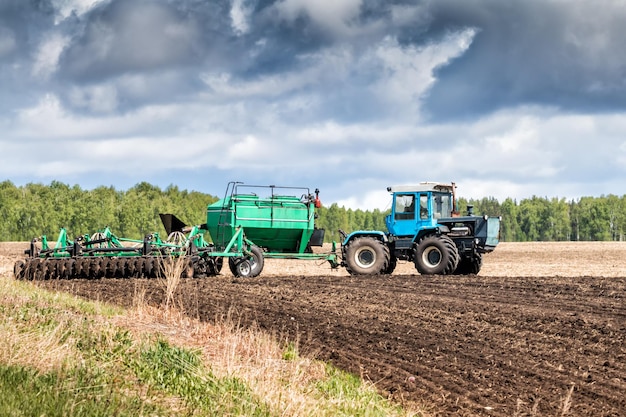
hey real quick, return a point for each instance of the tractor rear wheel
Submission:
(436, 255)
(367, 256)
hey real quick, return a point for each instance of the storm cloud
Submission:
(508, 99)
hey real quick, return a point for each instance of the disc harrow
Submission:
(114, 267)
(103, 255)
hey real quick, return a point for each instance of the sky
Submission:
(507, 98)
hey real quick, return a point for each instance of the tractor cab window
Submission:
(423, 207)
(442, 206)
(405, 207)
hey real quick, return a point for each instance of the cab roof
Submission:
(422, 186)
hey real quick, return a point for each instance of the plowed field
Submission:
(540, 331)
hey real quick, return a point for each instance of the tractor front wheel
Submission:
(366, 256)
(436, 255)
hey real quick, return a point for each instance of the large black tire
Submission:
(256, 264)
(436, 255)
(392, 265)
(468, 266)
(366, 256)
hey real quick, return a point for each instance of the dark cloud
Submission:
(124, 37)
(543, 52)
(142, 36)
(531, 52)
(22, 25)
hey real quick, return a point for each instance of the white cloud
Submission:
(149, 89)
(408, 72)
(516, 153)
(248, 150)
(46, 58)
(49, 120)
(330, 65)
(239, 15)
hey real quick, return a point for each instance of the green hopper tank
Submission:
(255, 222)
(277, 223)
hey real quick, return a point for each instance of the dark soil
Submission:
(473, 345)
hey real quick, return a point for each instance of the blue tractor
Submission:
(424, 227)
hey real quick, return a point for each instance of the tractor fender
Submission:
(438, 230)
(377, 234)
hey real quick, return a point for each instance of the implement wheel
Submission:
(436, 255)
(256, 263)
(242, 268)
(366, 256)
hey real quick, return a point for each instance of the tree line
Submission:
(34, 210)
(557, 219)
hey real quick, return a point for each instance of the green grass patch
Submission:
(180, 372)
(290, 352)
(347, 395)
(76, 392)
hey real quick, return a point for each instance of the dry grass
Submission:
(17, 346)
(284, 380)
(36, 329)
(232, 350)
(172, 270)
(567, 401)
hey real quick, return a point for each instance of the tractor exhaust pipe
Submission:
(455, 210)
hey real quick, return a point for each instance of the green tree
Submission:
(510, 230)
(593, 219)
(10, 197)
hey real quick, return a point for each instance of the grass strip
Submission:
(63, 356)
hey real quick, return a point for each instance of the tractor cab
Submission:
(419, 207)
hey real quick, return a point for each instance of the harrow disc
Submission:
(19, 270)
